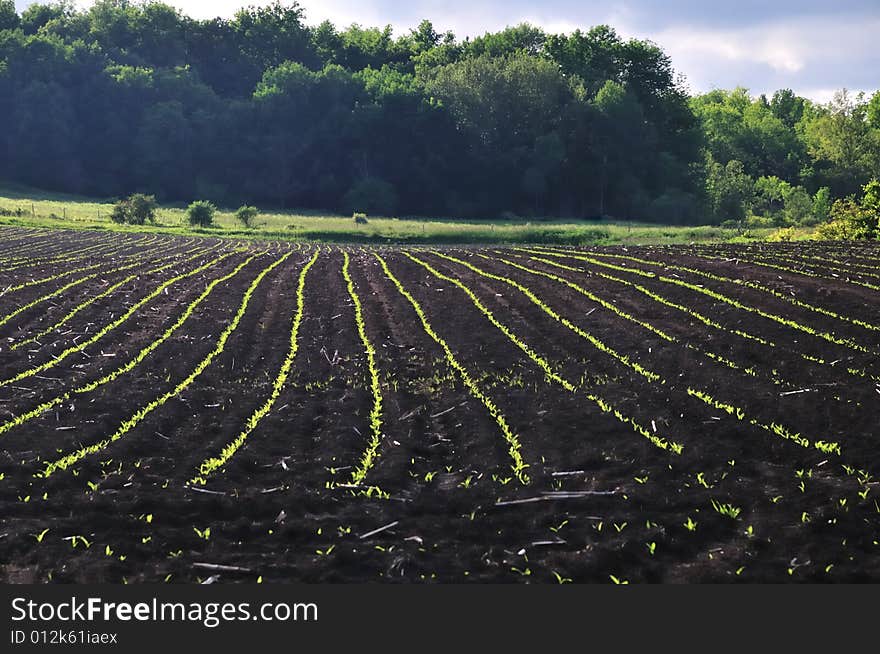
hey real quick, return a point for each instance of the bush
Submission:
(201, 213)
(360, 218)
(758, 222)
(782, 235)
(854, 220)
(246, 216)
(849, 221)
(136, 209)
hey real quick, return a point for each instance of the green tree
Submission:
(873, 111)
(788, 107)
(201, 213)
(137, 209)
(164, 143)
(853, 219)
(798, 206)
(246, 215)
(729, 189)
(9, 18)
(371, 195)
(738, 127)
(846, 148)
(821, 205)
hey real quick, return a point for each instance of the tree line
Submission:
(263, 108)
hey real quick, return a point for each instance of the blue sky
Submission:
(811, 46)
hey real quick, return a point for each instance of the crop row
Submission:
(541, 362)
(763, 289)
(106, 329)
(212, 464)
(83, 253)
(370, 453)
(716, 358)
(757, 260)
(77, 282)
(52, 250)
(100, 296)
(126, 426)
(514, 446)
(704, 396)
(129, 365)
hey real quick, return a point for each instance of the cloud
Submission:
(805, 54)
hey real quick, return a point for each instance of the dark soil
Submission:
(740, 503)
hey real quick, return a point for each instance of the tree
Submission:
(729, 189)
(821, 205)
(738, 127)
(371, 195)
(852, 219)
(201, 213)
(873, 111)
(137, 209)
(846, 148)
(127, 95)
(9, 19)
(164, 147)
(37, 15)
(246, 215)
(788, 107)
(43, 136)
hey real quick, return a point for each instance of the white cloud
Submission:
(806, 53)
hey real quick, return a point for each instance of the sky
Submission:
(811, 46)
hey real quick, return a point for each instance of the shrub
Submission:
(201, 213)
(821, 205)
(758, 222)
(851, 219)
(782, 235)
(136, 209)
(246, 216)
(360, 218)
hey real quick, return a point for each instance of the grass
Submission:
(33, 208)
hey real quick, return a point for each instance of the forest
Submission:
(265, 108)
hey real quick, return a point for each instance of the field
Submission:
(25, 207)
(187, 409)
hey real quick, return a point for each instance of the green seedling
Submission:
(204, 534)
(728, 510)
(560, 579)
(559, 526)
